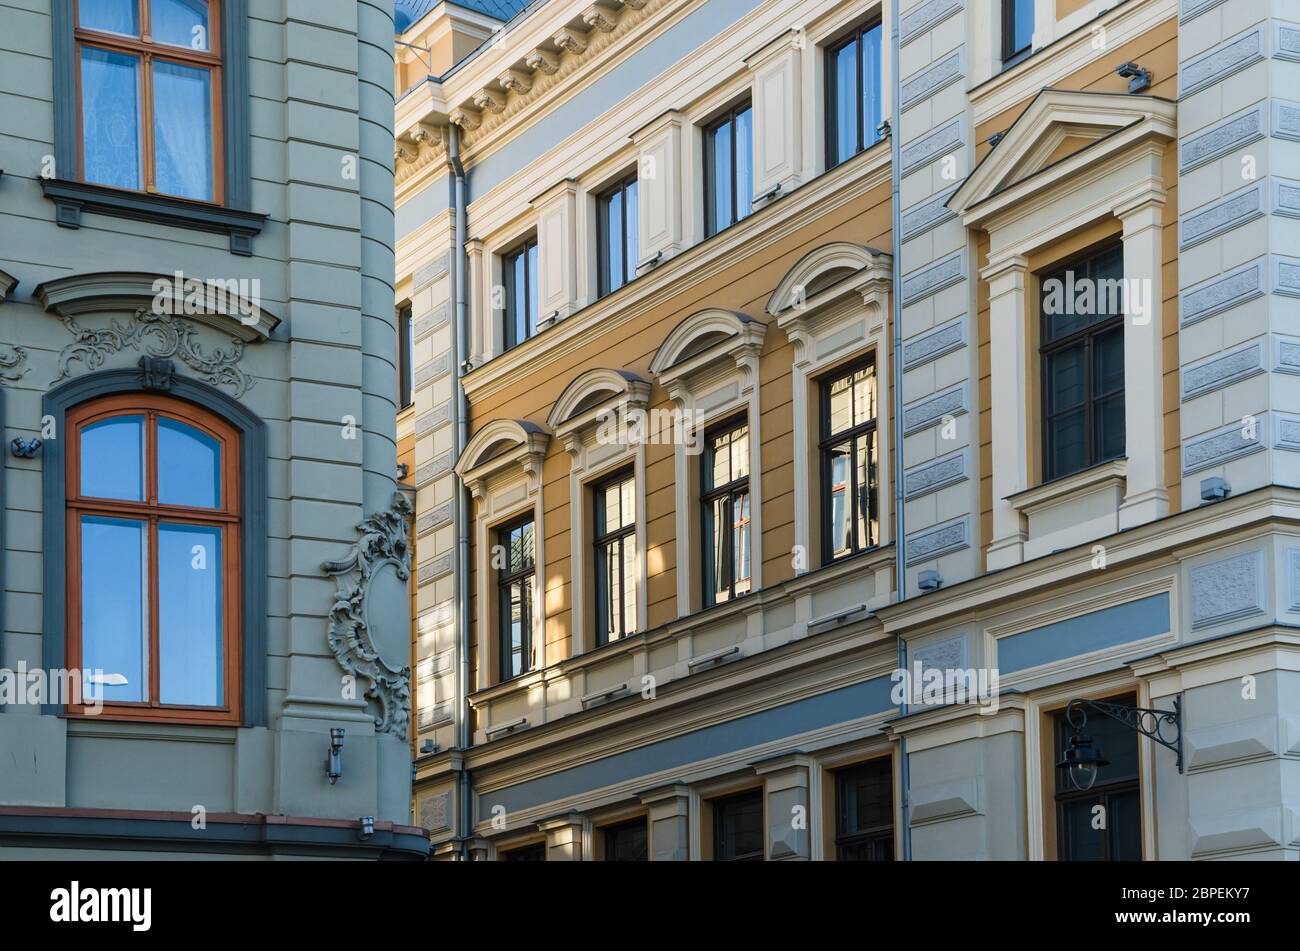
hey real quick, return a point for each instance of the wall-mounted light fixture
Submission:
(367, 824)
(1082, 759)
(1138, 78)
(25, 448)
(334, 761)
(929, 580)
(1215, 489)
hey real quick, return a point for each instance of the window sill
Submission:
(1073, 509)
(72, 198)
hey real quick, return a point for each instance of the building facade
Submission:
(831, 418)
(205, 612)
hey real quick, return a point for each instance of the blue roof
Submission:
(408, 11)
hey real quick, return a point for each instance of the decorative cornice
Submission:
(383, 543)
(7, 283)
(502, 447)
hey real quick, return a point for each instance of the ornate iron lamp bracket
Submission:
(1163, 726)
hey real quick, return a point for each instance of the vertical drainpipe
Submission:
(460, 334)
(900, 554)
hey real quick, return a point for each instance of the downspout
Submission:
(460, 334)
(900, 553)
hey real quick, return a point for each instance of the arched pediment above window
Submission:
(501, 448)
(705, 338)
(231, 306)
(1056, 141)
(594, 392)
(826, 273)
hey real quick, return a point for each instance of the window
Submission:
(519, 276)
(1083, 364)
(864, 812)
(149, 96)
(616, 237)
(725, 497)
(153, 515)
(405, 354)
(1017, 30)
(853, 109)
(616, 559)
(527, 853)
(628, 842)
(738, 828)
(728, 169)
(1115, 791)
(515, 563)
(850, 522)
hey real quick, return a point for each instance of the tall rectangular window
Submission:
(1017, 30)
(853, 104)
(738, 828)
(515, 560)
(1083, 363)
(149, 96)
(405, 357)
(519, 277)
(616, 558)
(850, 521)
(628, 842)
(728, 169)
(1114, 795)
(864, 812)
(616, 236)
(725, 498)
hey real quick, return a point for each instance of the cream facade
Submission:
(1093, 505)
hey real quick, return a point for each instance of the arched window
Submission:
(153, 571)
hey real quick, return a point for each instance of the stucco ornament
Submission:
(382, 551)
(158, 335)
(12, 363)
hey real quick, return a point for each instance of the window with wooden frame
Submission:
(850, 464)
(616, 558)
(1083, 363)
(864, 812)
(1102, 823)
(616, 236)
(149, 96)
(153, 558)
(519, 277)
(854, 78)
(1017, 30)
(728, 168)
(724, 497)
(738, 828)
(515, 561)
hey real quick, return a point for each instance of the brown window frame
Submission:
(148, 50)
(227, 515)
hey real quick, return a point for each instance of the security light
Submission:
(334, 761)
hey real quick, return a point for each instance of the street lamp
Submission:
(1082, 759)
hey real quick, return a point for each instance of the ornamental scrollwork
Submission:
(13, 364)
(383, 542)
(157, 335)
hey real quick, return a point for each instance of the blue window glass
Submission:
(616, 236)
(1017, 29)
(191, 664)
(180, 23)
(110, 117)
(728, 169)
(110, 16)
(853, 84)
(182, 124)
(189, 466)
(519, 273)
(112, 459)
(114, 600)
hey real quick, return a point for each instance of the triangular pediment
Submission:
(1063, 129)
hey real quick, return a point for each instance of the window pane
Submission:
(628, 843)
(180, 23)
(722, 165)
(744, 163)
(189, 466)
(520, 554)
(110, 16)
(531, 314)
(1082, 843)
(739, 827)
(841, 405)
(516, 621)
(631, 242)
(614, 233)
(740, 543)
(613, 589)
(112, 459)
(1124, 819)
(871, 79)
(191, 659)
(865, 797)
(1067, 379)
(1068, 444)
(720, 470)
(1109, 420)
(844, 64)
(1023, 31)
(865, 452)
(628, 607)
(740, 452)
(718, 519)
(864, 395)
(110, 109)
(841, 539)
(183, 130)
(1108, 363)
(114, 600)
